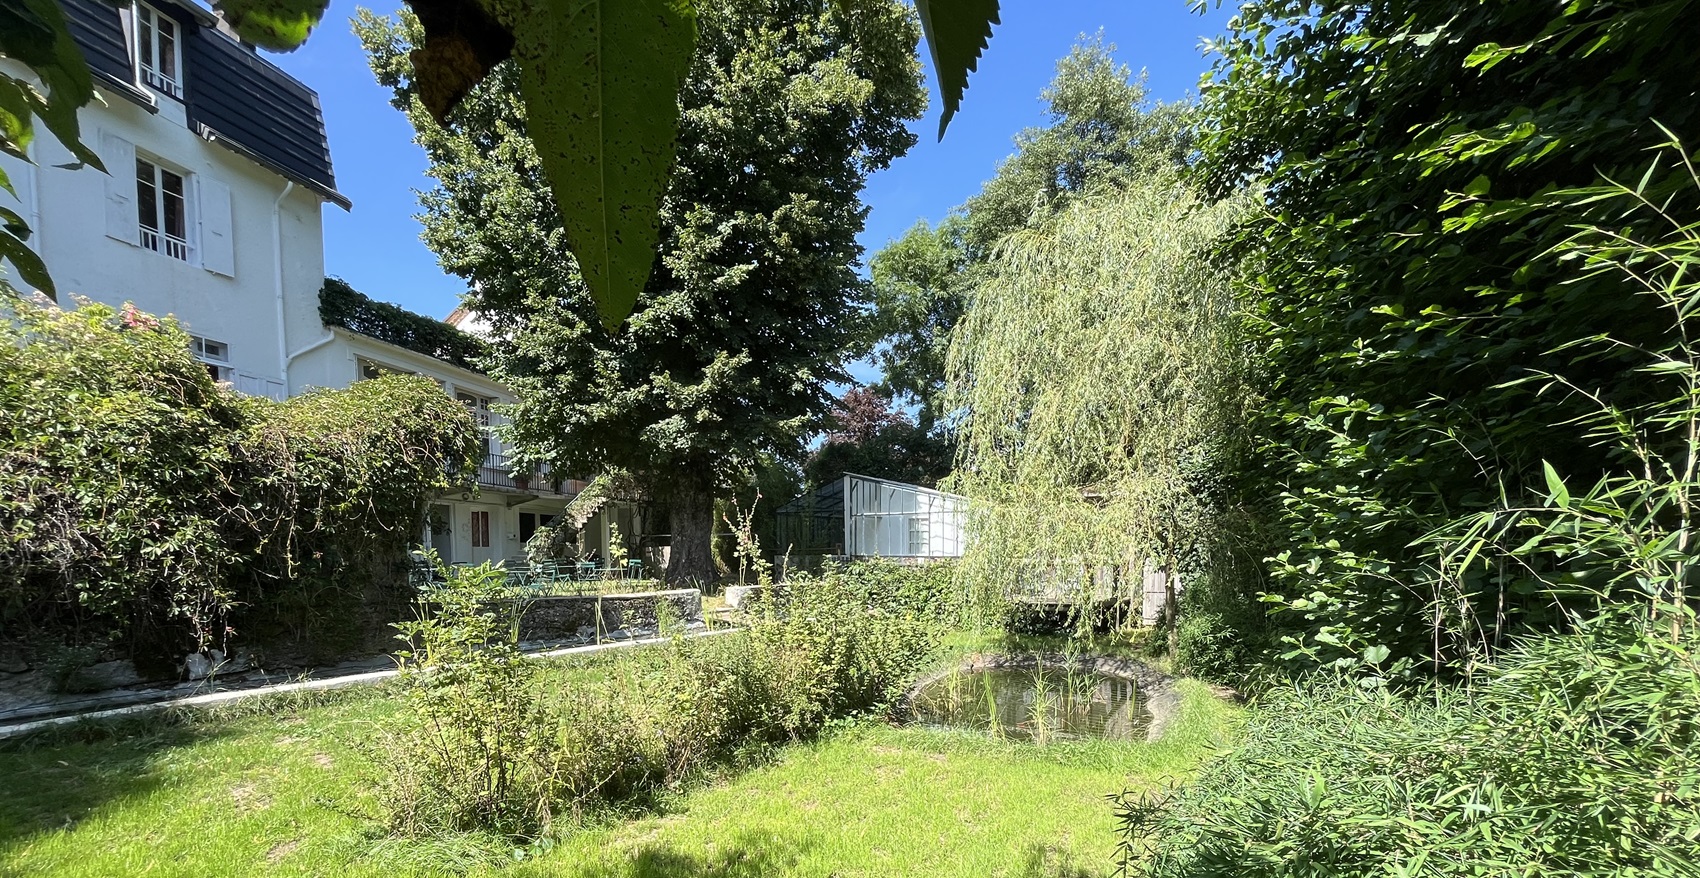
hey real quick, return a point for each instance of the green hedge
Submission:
(142, 501)
(344, 306)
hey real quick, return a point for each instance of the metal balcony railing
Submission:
(166, 243)
(497, 472)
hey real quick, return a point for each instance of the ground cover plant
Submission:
(1575, 756)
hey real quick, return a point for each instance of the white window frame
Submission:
(216, 356)
(148, 18)
(478, 405)
(362, 363)
(160, 240)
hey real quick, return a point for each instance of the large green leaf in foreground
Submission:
(279, 25)
(957, 32)
(601, 81)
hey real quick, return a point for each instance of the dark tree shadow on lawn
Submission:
(741, 858)
(1049, 861)
(54, 779)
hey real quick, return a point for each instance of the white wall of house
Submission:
(470, 527)
(337, 363)
(87, 231)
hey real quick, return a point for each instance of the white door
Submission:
(484, 533)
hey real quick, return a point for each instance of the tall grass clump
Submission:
(494, 742)
(1579, 756)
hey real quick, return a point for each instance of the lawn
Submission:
(284, 789)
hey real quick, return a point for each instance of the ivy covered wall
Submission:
(145, 506)
(344, 306)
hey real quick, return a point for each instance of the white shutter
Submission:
(218, 251)
(122, 221)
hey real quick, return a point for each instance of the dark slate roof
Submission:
(234, 97)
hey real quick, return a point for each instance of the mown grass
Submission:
(284, 788)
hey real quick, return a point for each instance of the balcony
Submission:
(497, 472)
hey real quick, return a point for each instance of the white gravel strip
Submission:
(217, 698)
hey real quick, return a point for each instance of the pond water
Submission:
(1035, 704)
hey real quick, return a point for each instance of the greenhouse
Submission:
(865, 517)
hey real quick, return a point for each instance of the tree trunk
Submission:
(690, 562)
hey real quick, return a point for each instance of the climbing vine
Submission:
(140, 499)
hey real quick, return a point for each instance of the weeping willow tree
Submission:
(1101, 377)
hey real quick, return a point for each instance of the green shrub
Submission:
(477, 745)
(1579, 755)
(141, 499)
(1207, 646)
(930, 590)
(498, 743)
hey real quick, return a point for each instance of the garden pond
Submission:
(1031, 699)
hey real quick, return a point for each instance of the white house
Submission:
(489, 524)
(218, 170)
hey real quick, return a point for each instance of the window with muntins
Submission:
(479, 407)
(161, 210)
(215, 355)
(159, 56)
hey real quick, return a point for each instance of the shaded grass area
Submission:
(284, 788)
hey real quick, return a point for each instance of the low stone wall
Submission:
(740, 597)
(581, 617)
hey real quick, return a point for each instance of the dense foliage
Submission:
(139, 498)
(1580, 755)
(869, 436)
(751, 309)
(344, 306)
(1417, 157)
(495, 742)
(1101, 371)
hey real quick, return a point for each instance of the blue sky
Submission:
(376, 247)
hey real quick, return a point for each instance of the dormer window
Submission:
(159, 57)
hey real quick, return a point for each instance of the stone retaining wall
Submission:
(581, 617)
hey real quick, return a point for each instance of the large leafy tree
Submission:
(598, 78)
(752, 303)
(1416, 155)
(1103, 131)
(1100, 368)
(869, 436)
